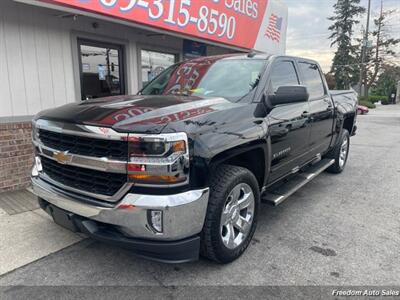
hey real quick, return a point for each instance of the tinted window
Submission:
(313, 80)
(283, 74)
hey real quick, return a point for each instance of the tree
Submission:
(387, 81)
(345, 66)
(382, 54)
(330, 80)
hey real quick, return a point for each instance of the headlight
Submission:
(158, 160)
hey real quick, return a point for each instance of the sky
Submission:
(308, 32)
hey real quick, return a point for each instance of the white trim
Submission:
(126, 44)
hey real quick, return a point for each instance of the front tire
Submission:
(231, 218)
(340, 153)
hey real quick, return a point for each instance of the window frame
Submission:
(103, 44)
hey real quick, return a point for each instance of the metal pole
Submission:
(363, 72)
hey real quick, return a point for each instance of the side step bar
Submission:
(276, 196)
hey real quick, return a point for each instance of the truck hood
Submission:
(139, 114)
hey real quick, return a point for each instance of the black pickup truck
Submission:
(180, 168)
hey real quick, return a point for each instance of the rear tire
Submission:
(340, 153)
(230, 224)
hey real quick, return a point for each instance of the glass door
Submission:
(101, 69)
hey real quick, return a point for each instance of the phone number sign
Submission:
(232, 22)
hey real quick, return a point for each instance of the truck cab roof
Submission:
(252, 56)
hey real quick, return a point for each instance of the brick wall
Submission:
(16, 155)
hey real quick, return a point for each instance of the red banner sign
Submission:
(232, 22)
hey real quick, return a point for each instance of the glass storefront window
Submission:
(153, 63)
(101, 69)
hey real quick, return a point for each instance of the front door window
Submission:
(101, 69)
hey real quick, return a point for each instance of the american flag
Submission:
(274, 28)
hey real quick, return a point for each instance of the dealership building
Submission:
(54, 52)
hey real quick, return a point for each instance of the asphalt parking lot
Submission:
(337, 230)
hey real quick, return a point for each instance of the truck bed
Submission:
(345, 99)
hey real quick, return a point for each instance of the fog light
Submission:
(38, 164)
(37, 167)
(156, 220)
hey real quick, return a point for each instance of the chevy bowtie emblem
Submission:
(62, 157)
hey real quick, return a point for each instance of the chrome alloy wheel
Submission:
(237, 216)
(344, 149)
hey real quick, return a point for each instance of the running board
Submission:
(279, 194)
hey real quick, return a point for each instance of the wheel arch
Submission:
(348, 122)
(344, 121)
(254, 157)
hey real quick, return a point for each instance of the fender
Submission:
(343, 113)
(228, 156)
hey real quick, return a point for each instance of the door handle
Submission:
(258, 122)
(305, 114)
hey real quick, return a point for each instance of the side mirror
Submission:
(289, 94)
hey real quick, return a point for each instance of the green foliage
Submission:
(367, 103)
(387, 82)
(345, 66)
(383, 55)
(373, 98)
(386, 102)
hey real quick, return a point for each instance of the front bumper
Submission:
(181, 251)
(183, 218)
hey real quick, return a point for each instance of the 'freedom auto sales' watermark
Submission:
(366, 292)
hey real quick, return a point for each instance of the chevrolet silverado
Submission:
(180, 169)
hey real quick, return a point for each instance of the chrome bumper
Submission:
(183, 214)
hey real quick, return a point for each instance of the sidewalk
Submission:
(27, 233)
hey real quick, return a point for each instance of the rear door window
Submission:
(313, 80)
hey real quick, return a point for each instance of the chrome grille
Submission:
(85, 146)
(96, 182)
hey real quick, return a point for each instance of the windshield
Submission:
(231, 79)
